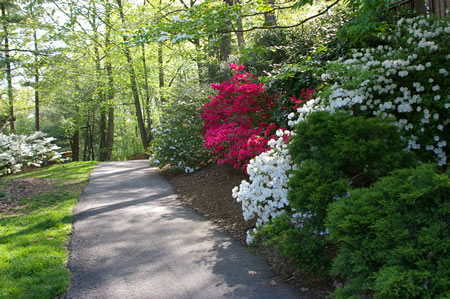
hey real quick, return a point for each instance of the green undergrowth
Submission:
(34, 235)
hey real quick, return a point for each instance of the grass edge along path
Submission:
(34, 237)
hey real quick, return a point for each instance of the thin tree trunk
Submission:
(110, 133)
(225, 45)
(86, 144)
(8, 68)
(225, 40)
(110, 87)
(91, 138)
(240, 35)
(269, 17)
(133, 82)
(101, 99)
(161, 64)
(75, 146)
(161, 72)
(37, 121)
(147, 95)
(102, 127)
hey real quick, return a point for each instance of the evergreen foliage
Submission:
(393, 237)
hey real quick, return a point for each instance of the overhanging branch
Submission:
(284, 27)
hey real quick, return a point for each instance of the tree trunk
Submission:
(110, 133)
(37, 121)
(269, 17)
(86, 145)
(91, 139)
(75, 146)
(110, 87)
(133, 82)
(161, 72)
(225, 45)
(8, 68)
(239, 33)
(101, 99)
(419, 6)
(102, 127)
(225, 40)
(201, 68)
(147, 96)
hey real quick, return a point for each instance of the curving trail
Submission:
(133, 239)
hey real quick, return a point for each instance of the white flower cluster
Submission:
(417, 102)
(264, 196)
(19, 151)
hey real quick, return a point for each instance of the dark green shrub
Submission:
(393, 237)
(305, 250)
(337, 151)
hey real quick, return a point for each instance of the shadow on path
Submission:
(133, 239)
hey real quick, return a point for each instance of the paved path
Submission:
(133, 239)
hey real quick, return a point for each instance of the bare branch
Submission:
(269, 11)
(285, 27)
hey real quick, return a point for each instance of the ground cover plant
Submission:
(34, 235)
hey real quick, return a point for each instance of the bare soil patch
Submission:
(17, 189)
(208, 192)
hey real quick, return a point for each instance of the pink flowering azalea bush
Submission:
(237, 121)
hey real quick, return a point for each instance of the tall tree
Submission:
(34, 10)
(110, 82)
(37, 123)
(100, 94)
(133, 80)
(8, 71)
(225, 39)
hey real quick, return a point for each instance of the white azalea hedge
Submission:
(20, 151)
(406, 78)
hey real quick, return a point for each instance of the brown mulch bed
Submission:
(208, 192)
(20, 188)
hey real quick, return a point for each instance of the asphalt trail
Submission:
(133, 239)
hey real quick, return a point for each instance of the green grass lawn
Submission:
(34, 237)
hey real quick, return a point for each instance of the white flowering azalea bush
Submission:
(406, 78)
(20, 151)
(264, 195)
(177, 139)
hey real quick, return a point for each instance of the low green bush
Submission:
(305, 250)
(177, 139)
(335, 152)
(393, 237)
